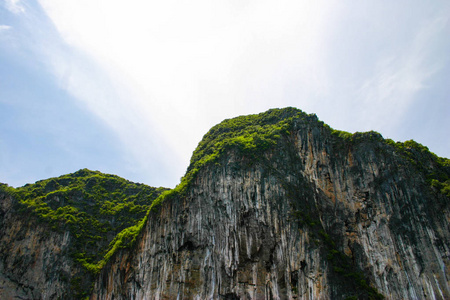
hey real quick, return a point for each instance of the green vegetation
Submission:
(357, 136)
(101, 212)
(249, 135)
(436, 169)
(443, 187)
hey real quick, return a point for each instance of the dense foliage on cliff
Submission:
(94, 207)
(436, 169)
(250, 134)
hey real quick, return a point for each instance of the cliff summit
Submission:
(276, 205)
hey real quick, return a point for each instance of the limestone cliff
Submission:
(273, 206)
(55, 233)
(30, 257)
(317, 214)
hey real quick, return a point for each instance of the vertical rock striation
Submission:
(273, 206)
(55, 233)
(33, 261)
(314, 216)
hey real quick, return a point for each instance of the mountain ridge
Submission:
(280, 146)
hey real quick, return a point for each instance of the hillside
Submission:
(88, 210)
(280, 206)
(276, 205)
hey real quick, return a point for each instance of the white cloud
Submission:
(113, 103)
(4, 28)
(39, 46)
(15, 6)
(178, 68)
(190, 65)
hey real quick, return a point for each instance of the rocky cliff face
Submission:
(273, 206)
(33, 261)
(316, 216)
(54, 233)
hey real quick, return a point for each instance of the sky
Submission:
(130, 87)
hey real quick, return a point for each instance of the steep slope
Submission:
(280, 206)
(55, 234)
(273, 206)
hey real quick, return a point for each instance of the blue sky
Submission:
(131, 87)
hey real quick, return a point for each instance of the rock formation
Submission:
(54, 233)
(280, 206)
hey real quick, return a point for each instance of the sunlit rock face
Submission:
(311, 218)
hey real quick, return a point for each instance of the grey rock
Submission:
(233, 235)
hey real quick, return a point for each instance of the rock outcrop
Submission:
(54, 233)
(273, 206)
(33, 263)
(316, 216)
